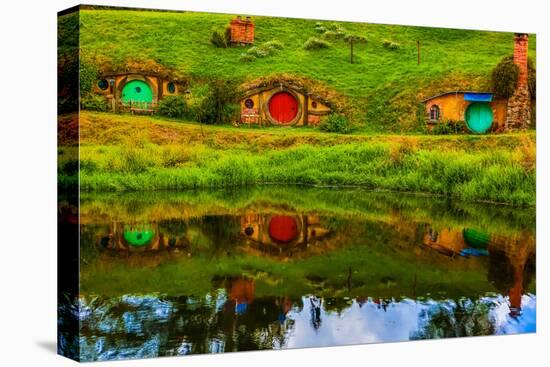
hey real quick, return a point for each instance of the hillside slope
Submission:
(384, 85)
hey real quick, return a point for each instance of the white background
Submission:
(28, 181)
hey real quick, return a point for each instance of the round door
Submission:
(283, 228)
(137, 91)
(479, 117)
(283, 107)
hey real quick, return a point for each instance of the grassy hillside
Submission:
(384, 85)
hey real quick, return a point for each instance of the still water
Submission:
(281, 267)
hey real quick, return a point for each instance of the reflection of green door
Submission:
(137, 91)
(138, 236)
(476, 239)
(479, 117)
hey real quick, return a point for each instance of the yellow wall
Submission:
(453, 107)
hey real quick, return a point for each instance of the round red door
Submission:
(283, 228)
(283, 107)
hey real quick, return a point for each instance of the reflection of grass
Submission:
(342, 203)
(371, 267)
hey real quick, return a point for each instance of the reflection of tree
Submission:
(67, 320)
(151, 326)
(466, 318)
(315, 310)
(223, 231)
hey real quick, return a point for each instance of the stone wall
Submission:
(518, 114)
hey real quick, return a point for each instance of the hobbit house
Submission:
(282, 104)
(482, 111)
(135, 92)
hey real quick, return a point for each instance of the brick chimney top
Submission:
(518, 113)
(521, 46)
(242, 31)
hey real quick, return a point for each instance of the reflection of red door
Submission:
(283, 107)
(283, 228)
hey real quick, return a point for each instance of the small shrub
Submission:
(390, 45)
(247, 58)
(319, 28)
(273, 44)
(94, 102)
(332, 35)
(173, 106)
(314, 43)
(219, 104)
(449, 127)
(266, 49)
(504, 77)
(335, 27)
(227, 35)
(258, 51)
(218, 39)
(88, 75)
(356, 38)
(335, 123)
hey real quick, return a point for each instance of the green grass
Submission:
(384, 85)
(490, 168)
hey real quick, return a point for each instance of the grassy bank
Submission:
(121, 153)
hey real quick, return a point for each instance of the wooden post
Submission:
(351, 49)
(418, 51)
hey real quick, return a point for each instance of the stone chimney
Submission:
(518, 114)
(242, 31)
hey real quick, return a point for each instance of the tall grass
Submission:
(493, 175)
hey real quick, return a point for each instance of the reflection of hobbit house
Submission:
(482, 111)
(135, 92)
(141, 237)
(282, 234)
(281, 105)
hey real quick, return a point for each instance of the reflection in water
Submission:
(149, 326)
(261, 270)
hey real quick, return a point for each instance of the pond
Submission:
(210, 271)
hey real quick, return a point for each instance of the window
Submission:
(313, 104)
(434, 113)
(249, 103)
(171, 87)
(103, 84)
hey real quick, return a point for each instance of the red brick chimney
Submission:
(518, 114)
(242, 31)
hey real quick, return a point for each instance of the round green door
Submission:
(479, 117)
(137, 91)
